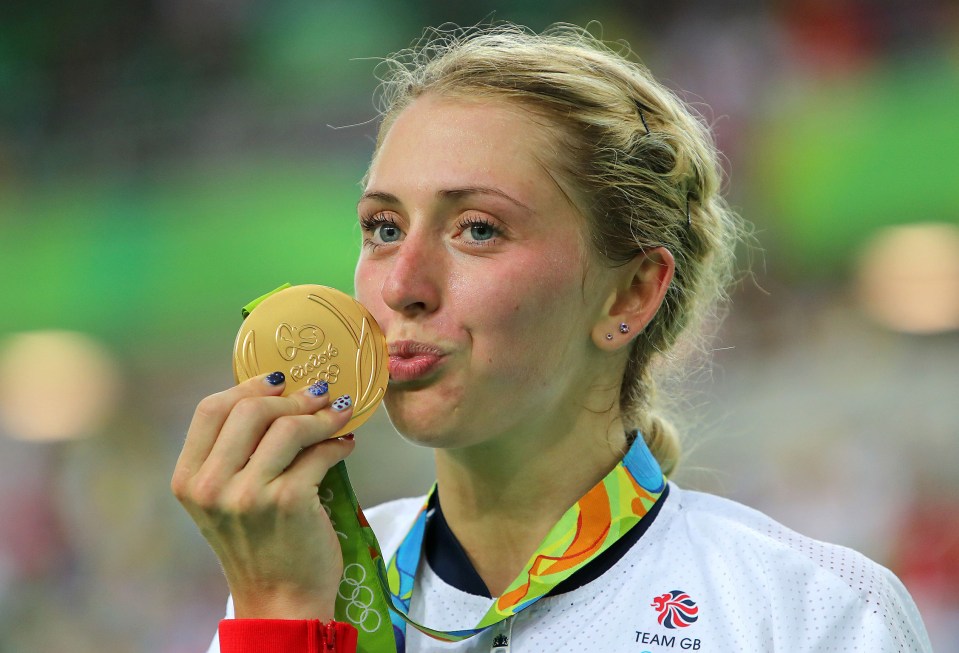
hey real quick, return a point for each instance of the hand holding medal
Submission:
(310, 366)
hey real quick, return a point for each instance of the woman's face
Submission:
(475, 265)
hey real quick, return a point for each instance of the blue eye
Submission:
(389, 233)
(482, 231)
(479, 230)
(380, 229)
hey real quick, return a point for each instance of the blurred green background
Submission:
(163, 162)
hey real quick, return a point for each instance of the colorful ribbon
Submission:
(375, 596)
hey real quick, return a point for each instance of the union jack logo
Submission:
(676, 609)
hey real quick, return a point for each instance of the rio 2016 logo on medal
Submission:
(315, 333)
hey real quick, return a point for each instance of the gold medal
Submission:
(316, 333)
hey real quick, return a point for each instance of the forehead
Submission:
(441, 142)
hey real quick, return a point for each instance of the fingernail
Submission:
(348, 436)
(342, 403)
(318, 389)
(275, 378)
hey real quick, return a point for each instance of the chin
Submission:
(421, 432)
(424, 426)
(409, 417)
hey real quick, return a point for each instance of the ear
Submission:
(640, 287)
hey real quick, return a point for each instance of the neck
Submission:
(501, 498)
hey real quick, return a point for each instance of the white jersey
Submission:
(709, 575)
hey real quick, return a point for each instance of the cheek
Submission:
(526, 321)
(367, 285)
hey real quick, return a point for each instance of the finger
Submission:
(251, 418)
(288, 436)
(299, 482)
(211, 414)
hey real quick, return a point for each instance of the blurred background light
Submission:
(55, 385)
(908, 278)
(844, 155)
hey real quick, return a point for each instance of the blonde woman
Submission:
(542, 222)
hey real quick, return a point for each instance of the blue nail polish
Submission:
(275, 378)
(318, 389)
(342, 403)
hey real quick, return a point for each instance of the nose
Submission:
(414, 283)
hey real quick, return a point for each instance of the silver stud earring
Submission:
(609, 336)
(624, 328)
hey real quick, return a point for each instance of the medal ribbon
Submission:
(375, 596)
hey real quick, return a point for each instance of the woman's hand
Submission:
(248, 475)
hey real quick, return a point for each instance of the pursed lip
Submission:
(411, 360)
(410, 348)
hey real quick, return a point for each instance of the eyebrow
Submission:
(450, 193)
(381, 196)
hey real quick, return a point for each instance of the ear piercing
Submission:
(623, 328)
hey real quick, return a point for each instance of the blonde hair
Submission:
(642, 165)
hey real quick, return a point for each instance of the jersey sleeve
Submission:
(281, 635)
(286, 636)
(880, 619)
(896, 625)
